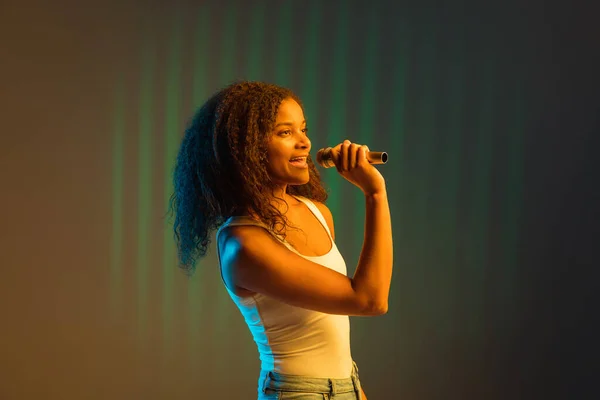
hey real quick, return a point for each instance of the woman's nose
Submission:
(304, 141)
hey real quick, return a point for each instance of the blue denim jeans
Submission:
(276, 386)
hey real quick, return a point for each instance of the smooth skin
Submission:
(253, 260)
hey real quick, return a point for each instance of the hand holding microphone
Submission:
(325, 160)
(354, 162)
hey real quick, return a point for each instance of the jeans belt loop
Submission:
(332, 388)
(356, 384)
(266, 381)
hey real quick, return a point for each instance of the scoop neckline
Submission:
(324, 227)
(288, 244)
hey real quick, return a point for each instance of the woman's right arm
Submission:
(373, 274)
(253, 259)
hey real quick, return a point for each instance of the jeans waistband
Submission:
(297, 383)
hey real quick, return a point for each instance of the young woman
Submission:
(244, 168)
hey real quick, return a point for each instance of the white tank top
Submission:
(293, 340)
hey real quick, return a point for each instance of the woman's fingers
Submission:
(345, 154)
(349, 155)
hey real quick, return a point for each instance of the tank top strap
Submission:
(243, 220)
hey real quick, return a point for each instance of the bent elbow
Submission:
(375, 309)
(369, 306)
(381, 309)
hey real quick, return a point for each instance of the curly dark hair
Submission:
(221, 171)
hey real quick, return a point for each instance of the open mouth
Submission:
(299, 162)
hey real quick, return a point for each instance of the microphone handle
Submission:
(325, 160)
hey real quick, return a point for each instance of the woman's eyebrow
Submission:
(288, 123)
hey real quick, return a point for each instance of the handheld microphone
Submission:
(325, 160)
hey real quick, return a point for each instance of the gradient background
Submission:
(488, 110)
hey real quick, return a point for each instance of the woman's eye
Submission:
(289, 132)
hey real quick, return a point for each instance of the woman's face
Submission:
(288, 140)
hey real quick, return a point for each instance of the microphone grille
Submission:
(324, 158)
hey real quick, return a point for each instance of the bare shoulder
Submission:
(253, 259)
(327, 215)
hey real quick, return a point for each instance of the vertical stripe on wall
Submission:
(228, 46)
(284, 46)
(450, 157)
(479, 210)
(511, 212)
(116, 240)
(256, 52)
(172, 134)
(425, 135)
(145, 164)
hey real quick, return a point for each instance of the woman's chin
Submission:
(299, 182)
